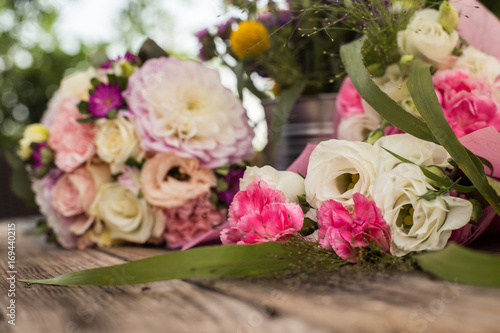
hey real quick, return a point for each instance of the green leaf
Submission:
(381, 102)
(20, 183)
(433, 176)
(239, 71)
(459, 264)
(286, 101)
(86, 120)
(217, 261)
(426, 102)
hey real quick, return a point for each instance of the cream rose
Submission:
(337, 169)
(420, 152)
(426, 38)
(417, 224)
(290, 183)
(122, 216)
(168, 180)
(480, 64)
(116, 141)
(78, 84)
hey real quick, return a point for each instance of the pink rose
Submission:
(73, 142)
(348, 102)
(261, 213)
(468, 102)
(346, 232)
(192, 219)
(74, 192)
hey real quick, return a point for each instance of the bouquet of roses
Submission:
(137, 151)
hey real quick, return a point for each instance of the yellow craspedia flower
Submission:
(32, 133)
(249, 38)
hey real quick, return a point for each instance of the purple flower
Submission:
(233, 185)
(105, 98)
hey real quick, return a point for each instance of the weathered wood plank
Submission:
(172, 306)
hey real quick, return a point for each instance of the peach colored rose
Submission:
(168, 180)
(72, 141)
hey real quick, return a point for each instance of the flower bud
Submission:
(404, 63)
(477, 212)
(375, 69)
(448, 16)
(374, 136)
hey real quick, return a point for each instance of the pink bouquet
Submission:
(137, 152)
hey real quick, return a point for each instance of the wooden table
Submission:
(409, 302)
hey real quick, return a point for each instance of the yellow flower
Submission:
(32, 133)
(249, 38)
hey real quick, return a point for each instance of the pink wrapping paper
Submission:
(478, 26)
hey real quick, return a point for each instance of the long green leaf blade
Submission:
(217, 261)
(426, 102)
(456, 263)
(378, 100)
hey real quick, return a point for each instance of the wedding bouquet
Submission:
(137, 151)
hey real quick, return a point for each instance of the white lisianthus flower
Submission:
(393, 83)
(116, 141)
(417, 224)
(480, 64)
(426, 38)
(122, 216)
(420, 152)
(358, 126)
(290, 183)
(181, 106)
(339, 168)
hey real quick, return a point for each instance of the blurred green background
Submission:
(33, 61)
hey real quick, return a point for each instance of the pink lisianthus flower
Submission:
(260, 214)
(346, 232)
(468, 102)
(348, 102)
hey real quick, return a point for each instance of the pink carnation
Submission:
(259, 214)
(190, 220)
(73, 142)
(346, 232)
(468, 102)
(348, 102)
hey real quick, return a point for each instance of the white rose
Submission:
(420, 152)
(417, 224)
(480, 64)
(339, 168)
(122, 216)
(78, 84)
(358, 126)
(425, 37)
(116, 141)
(290, 183)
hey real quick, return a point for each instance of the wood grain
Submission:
(409, 302)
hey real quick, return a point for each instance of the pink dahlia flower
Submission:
(181, 106)
(260, 214)
(468, 102)
(346, 232)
